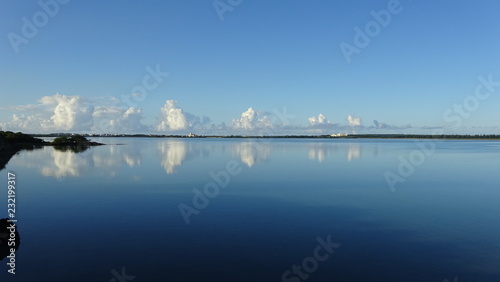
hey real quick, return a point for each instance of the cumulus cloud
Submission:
(115, 119)
(174, 118)
(379, 125)
(251, 119)
(131, 119)
(65, 113)
(22, 122)
(353, 121)
(321, 119)
(56, 112)
(382, 125)
(320, 125)
(70, 112)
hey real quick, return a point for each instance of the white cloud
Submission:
(74, 114)
(70, 112)
(251, 119)
(321, 119)
(115, 119)
(379, 125)
(174, 118)
(64, 113)
(384, 126)
(353, 121)
(22, 122)
(56, 112)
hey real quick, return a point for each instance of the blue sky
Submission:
(263, 55)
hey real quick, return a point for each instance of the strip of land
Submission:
(333, 136)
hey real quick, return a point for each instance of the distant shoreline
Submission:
(346, 136)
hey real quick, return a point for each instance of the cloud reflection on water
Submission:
(321, 151)
(252, 152)
(173, 153)
(66, 163)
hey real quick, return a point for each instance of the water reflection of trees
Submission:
(74, 149)
(7, 154)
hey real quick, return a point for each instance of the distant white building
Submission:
(339, 135)
(191, 135)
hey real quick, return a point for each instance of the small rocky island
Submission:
(13, 142)
(75, 143)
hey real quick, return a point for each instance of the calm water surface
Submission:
(324, 206)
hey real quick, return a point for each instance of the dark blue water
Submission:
(258, 210)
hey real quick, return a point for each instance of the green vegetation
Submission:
(11, 143)
(9, 139)
(74, 143)
(75, 140)
(17, 138)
